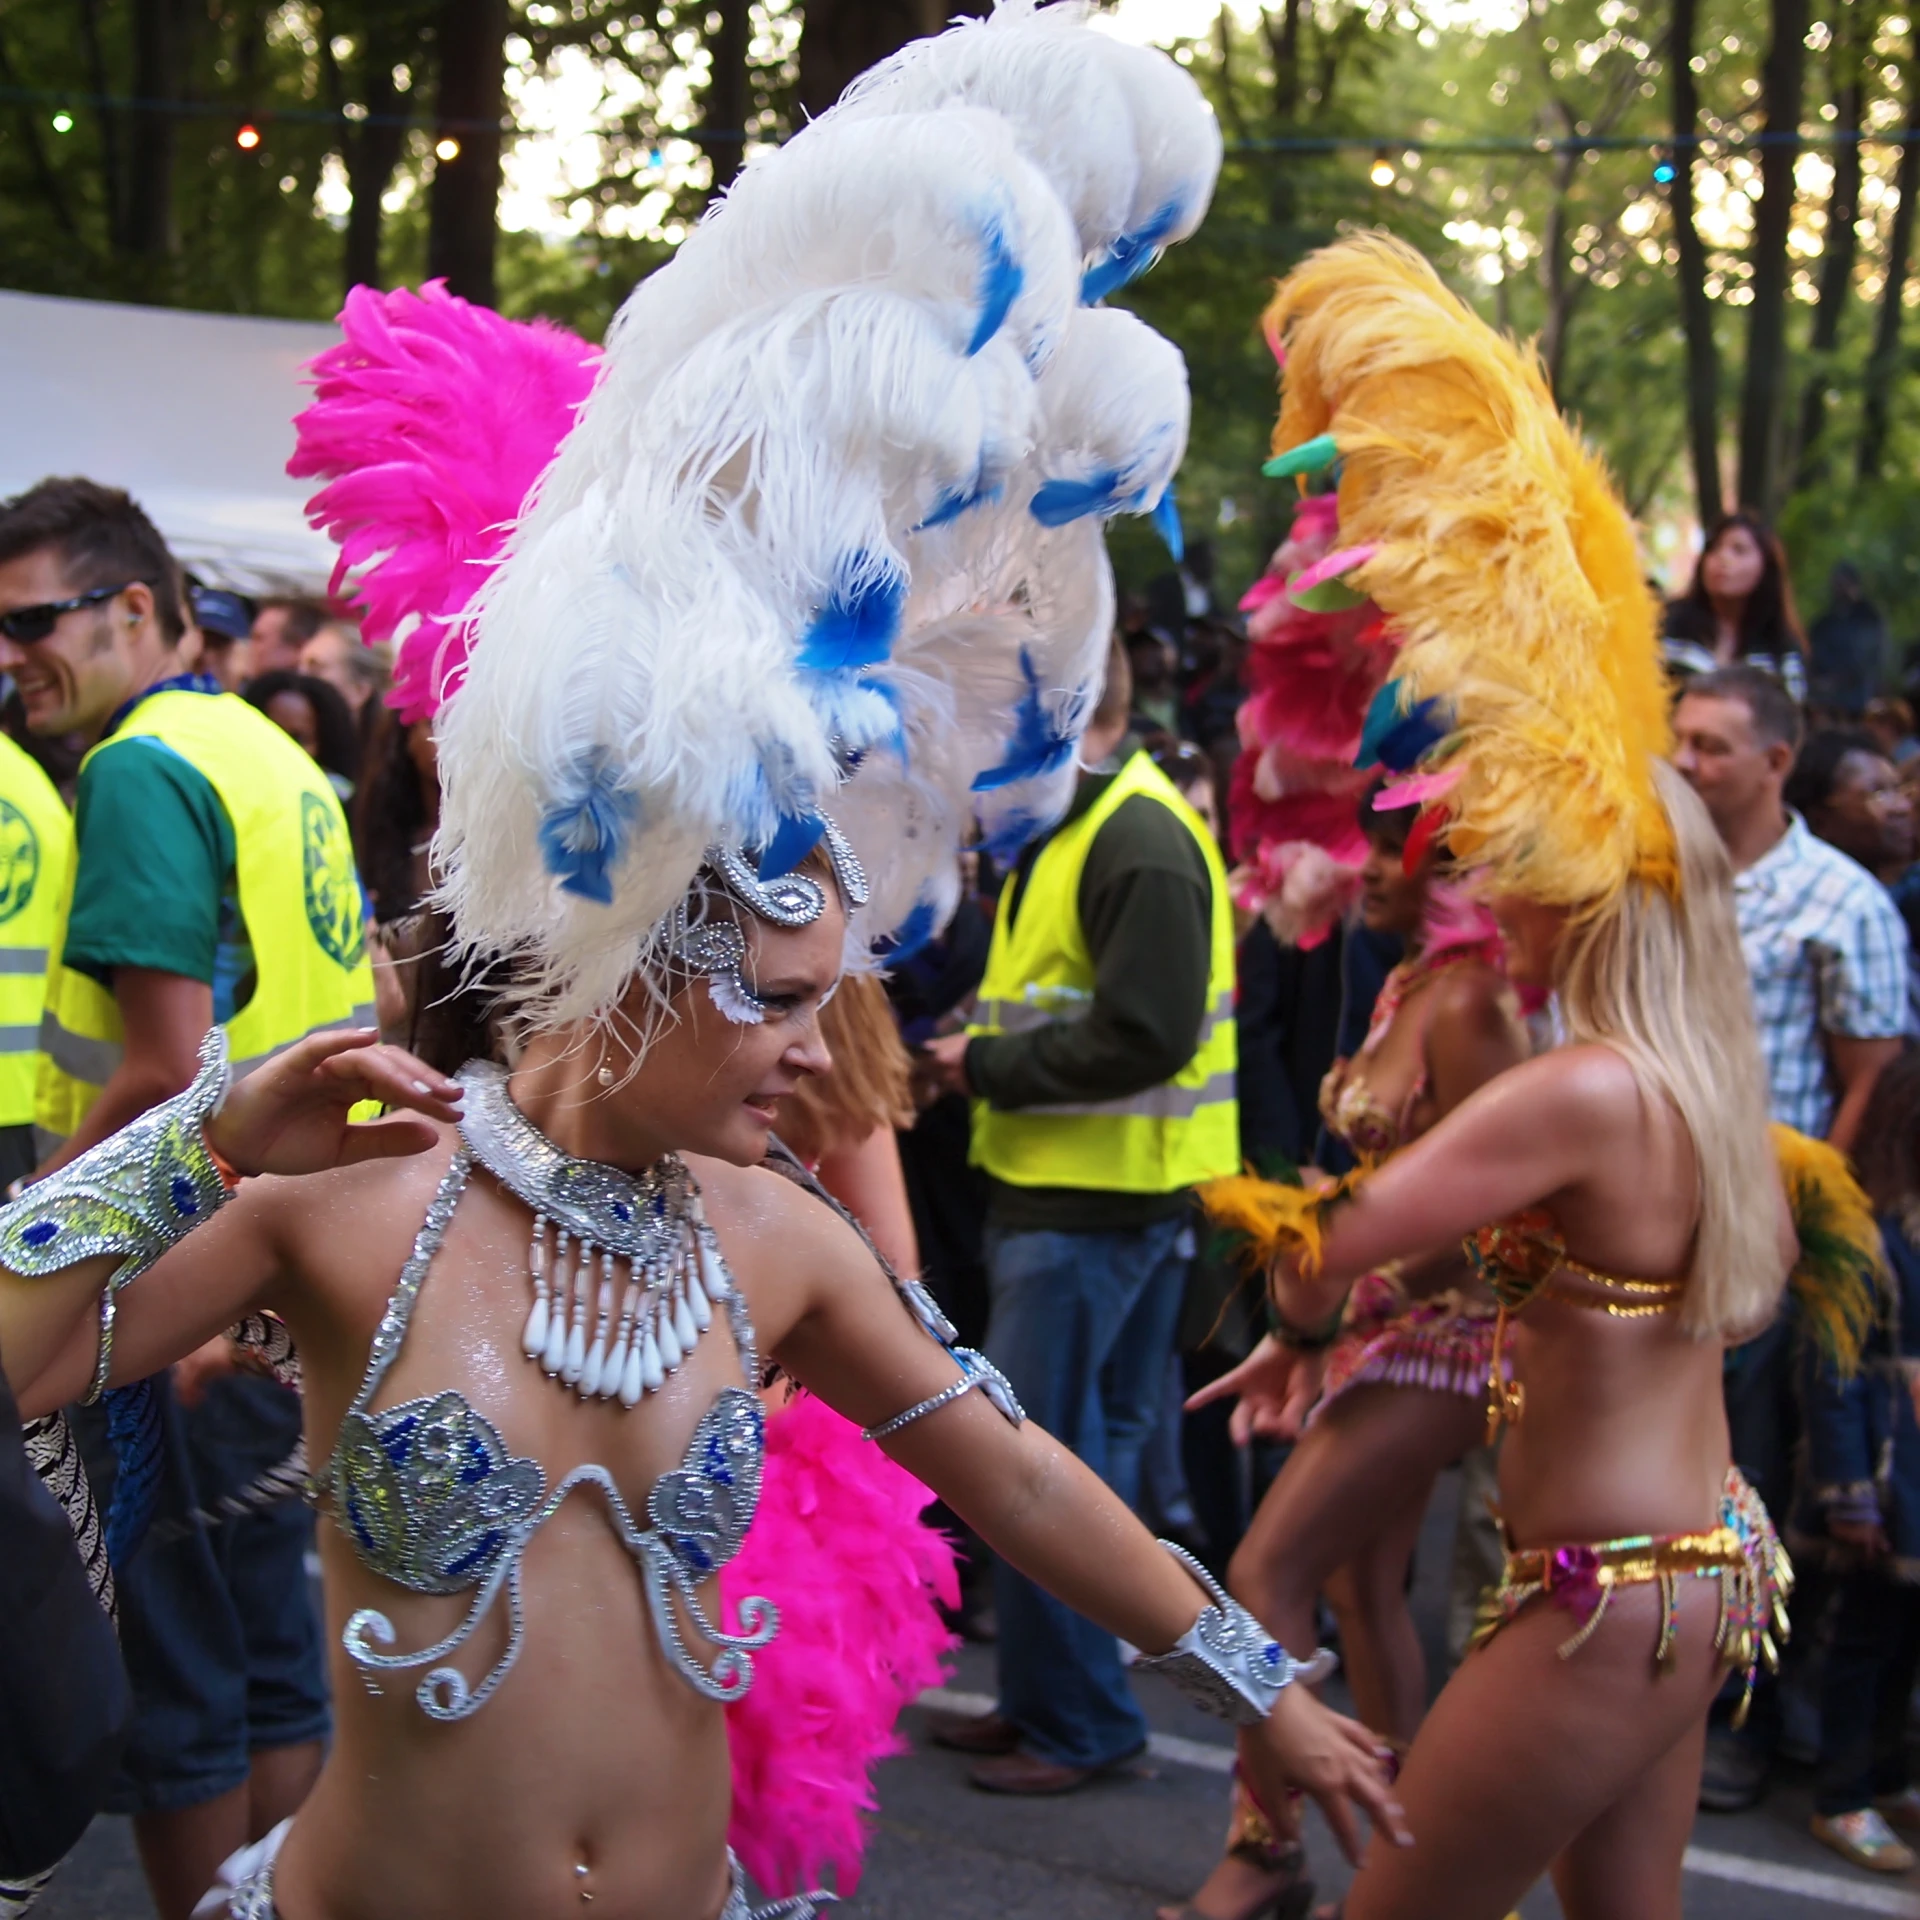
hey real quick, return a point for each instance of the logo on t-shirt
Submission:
(333, 890)
(19, 860)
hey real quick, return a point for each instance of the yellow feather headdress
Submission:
(1504, 561)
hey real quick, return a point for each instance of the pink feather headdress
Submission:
(433, 420)
(1312, 672)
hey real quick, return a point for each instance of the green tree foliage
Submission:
(1531, 154)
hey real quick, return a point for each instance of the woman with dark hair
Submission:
(1850, 794)
(312, 714)
(1739, 608)
(395, 816)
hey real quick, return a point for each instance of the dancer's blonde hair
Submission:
(1661, 980)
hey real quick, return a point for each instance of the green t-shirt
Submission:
(156, 885)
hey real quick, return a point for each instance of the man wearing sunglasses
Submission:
(213, 882)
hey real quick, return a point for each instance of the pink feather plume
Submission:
(431, 421)
(839, 1546)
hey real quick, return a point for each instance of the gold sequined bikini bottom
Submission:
(1743, 1553)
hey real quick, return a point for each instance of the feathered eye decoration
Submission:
(719, 950)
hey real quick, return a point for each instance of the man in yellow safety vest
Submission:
(1102, 1068)
(36, 849)
(212, 881)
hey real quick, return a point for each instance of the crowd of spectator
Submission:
(1050, 1161)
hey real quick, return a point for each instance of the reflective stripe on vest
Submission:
(36, 848)
(299, 898)
(1039, 971)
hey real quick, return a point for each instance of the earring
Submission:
(605, 1076)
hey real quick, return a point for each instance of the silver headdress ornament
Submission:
(827, 532)
(718, 948)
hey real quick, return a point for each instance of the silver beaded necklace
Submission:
(606, 1334)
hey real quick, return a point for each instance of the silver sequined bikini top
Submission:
(432, 1500)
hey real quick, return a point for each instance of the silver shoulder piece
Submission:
(134, 1195)
(1227, 1662)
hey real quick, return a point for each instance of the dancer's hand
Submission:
(1274, 1385)
(1336, 1760)
(290, 1116)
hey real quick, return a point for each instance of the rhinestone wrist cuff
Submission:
(1227, 1662)
(135, 1195)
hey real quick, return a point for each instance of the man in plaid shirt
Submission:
(1825, 945)
(1827, 952)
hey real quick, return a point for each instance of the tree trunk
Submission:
(727, 105)
(1696, 309)
(463, 207)
(159, 74)
(1883, 366)
(1762, 395)
(841, 39)
(1837, 254)
(112, 170)
(1557, 278)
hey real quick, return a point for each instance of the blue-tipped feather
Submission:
(950, 506)
(1001, 279)
(1040, 743)
(913, 933)
(1129, 256)
(1166, 523)
(856, 627)
(583, 836)
(1059, 501)
(133, 1431)
(1009, 840)
(793, 839)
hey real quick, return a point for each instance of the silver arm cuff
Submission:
(975, 1371)
(1227, 1662)
(135, 1194)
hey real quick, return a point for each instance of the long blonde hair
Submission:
(868, 1084)
(1664, 984)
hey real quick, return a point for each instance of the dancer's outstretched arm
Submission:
(843, 1333)
(290, 1116)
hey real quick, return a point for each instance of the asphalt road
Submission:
(942, 1851)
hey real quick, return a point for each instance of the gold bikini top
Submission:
(1524, 1257)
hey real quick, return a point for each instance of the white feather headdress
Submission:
(825, 537)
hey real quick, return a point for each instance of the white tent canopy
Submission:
(192, 413)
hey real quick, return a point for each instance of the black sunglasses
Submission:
(28, 624)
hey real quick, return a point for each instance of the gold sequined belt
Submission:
(1743, 1553)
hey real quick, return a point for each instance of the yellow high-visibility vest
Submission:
(36, 849)
(1039, 969)
(299, 896)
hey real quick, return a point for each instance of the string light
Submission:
(1663, 172)
(247, 138)
(447, 148)
(1381, 172)
(63, 123)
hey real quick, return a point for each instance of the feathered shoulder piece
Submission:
(1841, 1275)
(1489, 537)
(1272, 1219)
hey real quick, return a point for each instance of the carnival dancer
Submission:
(1397, 1386)
(822, 551)
(1624, 1198)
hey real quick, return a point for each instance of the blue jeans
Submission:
(221, 1637)
(1081, 1324)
